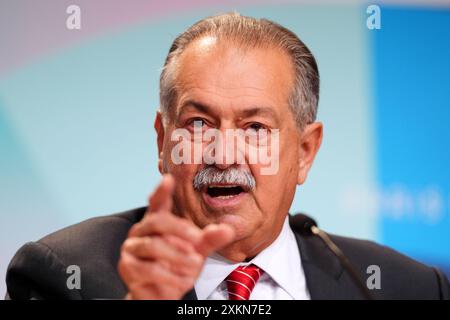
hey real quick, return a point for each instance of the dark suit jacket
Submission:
(39, 269)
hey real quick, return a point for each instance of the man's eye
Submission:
(256, 126)
(197, 123)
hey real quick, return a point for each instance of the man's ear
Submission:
(159, 127)
(310, 141)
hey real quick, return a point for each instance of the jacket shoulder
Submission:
(401, 277)
(40, 269)
(93, 235)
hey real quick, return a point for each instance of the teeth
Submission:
(223, 186)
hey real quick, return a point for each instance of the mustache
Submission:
(212, 175)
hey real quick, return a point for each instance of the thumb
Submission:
(215, 236)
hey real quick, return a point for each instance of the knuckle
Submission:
(149, 221)
(124, 266)
(127, 245)
(133, 230)
(197, 260)
(150, 246)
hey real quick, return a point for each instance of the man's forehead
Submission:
(214, 60)
(228, 73)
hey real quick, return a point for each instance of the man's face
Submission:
(223, 87)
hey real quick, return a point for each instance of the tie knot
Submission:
(241, 281)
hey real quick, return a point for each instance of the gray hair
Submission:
(250, 33)
(232, 175)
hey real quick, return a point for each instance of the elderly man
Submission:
(217, 226)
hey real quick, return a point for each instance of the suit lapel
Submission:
(325, 277)
(322, 270)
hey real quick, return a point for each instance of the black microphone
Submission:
(307, 227)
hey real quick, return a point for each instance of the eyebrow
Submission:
(259, 111)
(203, 108)
(248, 112)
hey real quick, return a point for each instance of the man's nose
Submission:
(229, 150)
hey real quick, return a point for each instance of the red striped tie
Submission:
(241, 281)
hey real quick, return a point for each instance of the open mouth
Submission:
(224, 191)
(224, 196)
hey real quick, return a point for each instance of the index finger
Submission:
(161, 199)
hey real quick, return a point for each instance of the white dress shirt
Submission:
(283, 277)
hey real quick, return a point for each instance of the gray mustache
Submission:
(231, 175)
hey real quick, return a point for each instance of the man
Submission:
(217, 226)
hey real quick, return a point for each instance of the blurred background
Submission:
(77, 109)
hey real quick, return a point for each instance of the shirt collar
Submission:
(280, 261)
